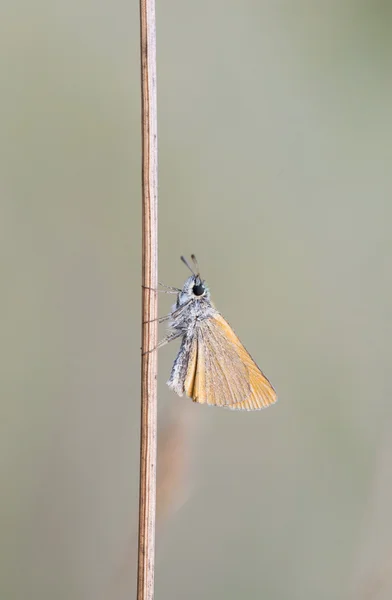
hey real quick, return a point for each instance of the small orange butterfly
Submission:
(212, 366)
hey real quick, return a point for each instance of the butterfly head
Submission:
(195, 287)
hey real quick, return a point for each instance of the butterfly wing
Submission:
(221, 372)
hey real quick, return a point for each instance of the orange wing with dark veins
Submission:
(222, 373)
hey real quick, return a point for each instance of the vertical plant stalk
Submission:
(148, 439)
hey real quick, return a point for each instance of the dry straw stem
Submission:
(148, 441)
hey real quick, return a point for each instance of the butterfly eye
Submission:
(198, 290)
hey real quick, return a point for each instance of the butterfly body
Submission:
(212, 366)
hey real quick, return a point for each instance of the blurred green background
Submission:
(275, 169)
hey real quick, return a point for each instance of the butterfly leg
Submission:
(159, 319)
(173, 290)
(167, 290)
(166, 340)
(171, 315)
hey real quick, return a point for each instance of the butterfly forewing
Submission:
(221, 377)
(222, 373)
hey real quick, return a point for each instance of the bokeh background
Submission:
(275, 169)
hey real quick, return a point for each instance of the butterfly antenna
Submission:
(193, 257)
(184, 260)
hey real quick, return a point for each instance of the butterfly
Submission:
(212, 366)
